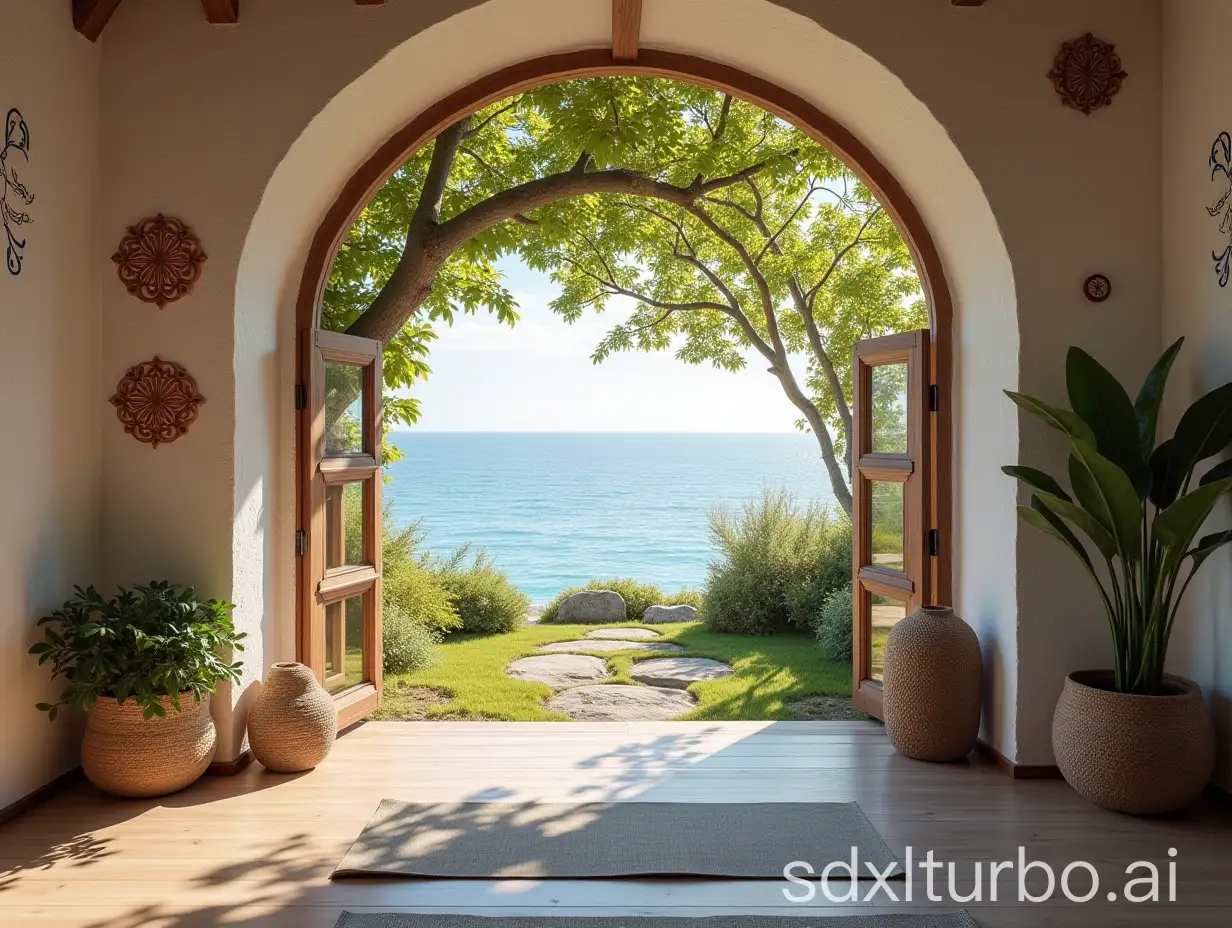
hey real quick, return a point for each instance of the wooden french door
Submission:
(891, 531)
(340, 538)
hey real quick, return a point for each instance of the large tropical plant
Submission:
(1133, 511)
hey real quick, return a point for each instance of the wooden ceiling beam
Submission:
(369, 2)
(221, 11)
(967, 2)
(626, 29)
(90, 16)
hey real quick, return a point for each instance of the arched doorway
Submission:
(924, 471)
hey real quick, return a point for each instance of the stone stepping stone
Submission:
(599, 644)
(678, 672)
(559, 670)
(619, 703)
(623, 634)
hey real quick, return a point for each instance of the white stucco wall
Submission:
(49, 357)
(1197, 107)
(259, 124)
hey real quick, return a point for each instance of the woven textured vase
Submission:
(931, 685)
(127, 755)
(1144, 755)
(294, 722)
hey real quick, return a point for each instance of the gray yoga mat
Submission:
(396, 920)
(487, 840)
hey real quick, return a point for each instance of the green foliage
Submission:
(832, 624)
(777, 561)
(788, 233)
(483, 597)
(409, 583)
(153, 641)
(637, 597)
(1132, 518)
(407, 644)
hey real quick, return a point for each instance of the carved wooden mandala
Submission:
(157, 401)
(159, 260)
(1087, 73)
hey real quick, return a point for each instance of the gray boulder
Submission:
(659, 615)
(592, 606)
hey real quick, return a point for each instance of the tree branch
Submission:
(480, 126)
(723, 114)
(781, 366)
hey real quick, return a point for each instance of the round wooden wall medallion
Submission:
(157, 401)
(1086, 73)
(1097, 288)
(159, 260)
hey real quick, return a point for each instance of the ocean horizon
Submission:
(557, 509)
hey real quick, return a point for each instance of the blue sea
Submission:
(557, 509)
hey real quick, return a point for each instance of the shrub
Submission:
(830, 571)
(832, 625)
(637, 597)
(776, 563)
(485, 600)
(410, 584)
(408, 645)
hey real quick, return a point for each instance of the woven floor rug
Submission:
(485, 840)
(396, 920)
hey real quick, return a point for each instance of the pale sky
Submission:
(538, 377)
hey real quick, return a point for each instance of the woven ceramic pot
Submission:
(931, 685)
(294, 722)
(127, 755)
(1144, 755)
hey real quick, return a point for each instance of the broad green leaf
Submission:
(1146, 407)
(1180, 521)
(1036, 479)
(1163, 488)
(1102, 403)
(1208, 545)
(1177, 525)
(1218, 472)
(1204, 430)
(1108, 495)
(1039, 516)
(1083, 520)
(1060, 419)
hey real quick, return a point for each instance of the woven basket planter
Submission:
(931, 685)
(294, 722)
(1145, 755)
(127, 755)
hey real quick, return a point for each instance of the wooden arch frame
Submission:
(536, 72)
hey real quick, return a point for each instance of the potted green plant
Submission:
(1133, 738)
(142, 666)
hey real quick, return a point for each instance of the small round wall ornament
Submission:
(157, 401)
(1097, 288)
(159, 260)
(1087, 74)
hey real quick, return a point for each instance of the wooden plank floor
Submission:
(257, 849)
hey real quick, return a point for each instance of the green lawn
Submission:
(769, 673)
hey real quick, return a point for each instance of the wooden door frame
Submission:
(650, 62)
(319, 474)
(870, 467)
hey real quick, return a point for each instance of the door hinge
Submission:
(933, 542)
(934, 398)
(301, 396)
(301, 543)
